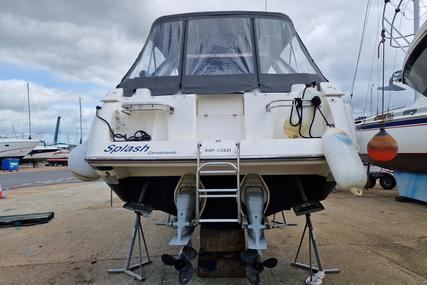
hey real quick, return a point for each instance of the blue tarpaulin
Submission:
(412, 185)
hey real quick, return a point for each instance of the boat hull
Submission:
(408, 162)
(284, 192)
(412, 154)
(162, 177)
(16, 148)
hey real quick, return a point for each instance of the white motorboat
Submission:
(16, 148)
(59, 157)
(41, 153)
(224, 118)
(55, 153)
(408, 125)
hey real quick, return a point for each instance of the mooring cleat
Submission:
(182, 264)
(315, 279)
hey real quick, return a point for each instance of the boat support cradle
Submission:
(316, 273)
(137, 233)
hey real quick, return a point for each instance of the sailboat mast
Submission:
(81, 127)
(416, 16)
(416, 27)
(29, 111)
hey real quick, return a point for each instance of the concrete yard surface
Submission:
(373, 240)
(39, 176)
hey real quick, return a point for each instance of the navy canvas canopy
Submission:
(221, 52)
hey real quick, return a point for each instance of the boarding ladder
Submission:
(211, 168)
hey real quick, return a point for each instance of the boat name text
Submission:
(112, 148)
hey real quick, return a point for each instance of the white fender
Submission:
(343, 159)
(78, 165)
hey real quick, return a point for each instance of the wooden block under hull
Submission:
(221, 264)
(219, 254)
(221, 240)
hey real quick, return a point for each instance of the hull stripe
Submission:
(394, 124)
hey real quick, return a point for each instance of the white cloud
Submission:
(97, 41)
(46, 104)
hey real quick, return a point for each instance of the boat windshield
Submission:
(212, 53)
(219, 46)
(162, 52)
(280, 51)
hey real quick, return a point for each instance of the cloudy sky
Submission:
(71, 49)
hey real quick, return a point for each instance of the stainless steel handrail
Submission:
(291, 102)
(148, 107)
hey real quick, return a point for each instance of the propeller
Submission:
(182, 264)
(255, 266)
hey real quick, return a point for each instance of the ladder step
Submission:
(218, 221)
(218, 196)
(217, 190)
(217, 172)
(219, 163)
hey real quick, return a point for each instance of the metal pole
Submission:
(29, 110)
(416, 27)
(416, 16)
(81, 128)
(132, 242)
(55, 137)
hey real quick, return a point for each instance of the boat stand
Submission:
(137, 232)
(316, 273)
(280, 224)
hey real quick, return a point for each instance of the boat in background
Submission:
(59, 157)
(40, 153)
(408, 125)
(56, 154)
(415, 65)
(16, 148)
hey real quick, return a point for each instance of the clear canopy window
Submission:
(162, 52)
(219, 46)
(280, 50)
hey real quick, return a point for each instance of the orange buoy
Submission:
(382, 146)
